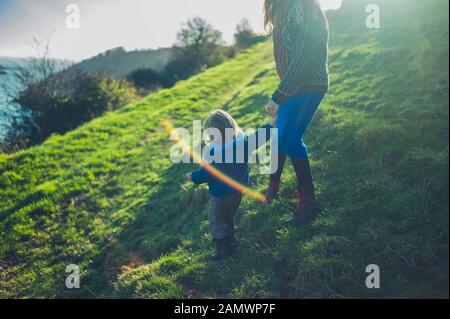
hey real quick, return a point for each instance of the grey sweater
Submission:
(301, 51)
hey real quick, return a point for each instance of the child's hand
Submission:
(189, 177)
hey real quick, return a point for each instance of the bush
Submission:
(245, 37)
(60, 103)
(148, 80)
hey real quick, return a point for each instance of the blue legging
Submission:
(294, 118)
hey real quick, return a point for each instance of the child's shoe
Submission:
(308, 207)
(224, 247)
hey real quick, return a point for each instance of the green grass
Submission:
(107, 197)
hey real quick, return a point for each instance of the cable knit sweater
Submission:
(301, 51)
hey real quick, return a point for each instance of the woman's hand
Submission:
(189, 177)
(274, 120)
(272, 108)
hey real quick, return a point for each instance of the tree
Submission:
(201, 43)
(245, 37)
(198, 46)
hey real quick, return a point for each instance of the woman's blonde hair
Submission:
(221, 121)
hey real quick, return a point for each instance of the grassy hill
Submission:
(108, 198)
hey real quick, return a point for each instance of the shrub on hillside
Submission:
(148, 80)
(61, 102)
(51, 97)
(245, 37)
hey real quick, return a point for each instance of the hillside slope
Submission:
(121, 63)
(107, 198)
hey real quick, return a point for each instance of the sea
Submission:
(5, 107)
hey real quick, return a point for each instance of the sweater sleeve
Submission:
(297, 24)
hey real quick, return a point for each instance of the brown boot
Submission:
(274, 184)
(300, 200)
(308, 209)
(272, 192)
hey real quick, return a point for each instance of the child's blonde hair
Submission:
(220, 120)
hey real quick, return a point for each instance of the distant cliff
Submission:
(120, 63)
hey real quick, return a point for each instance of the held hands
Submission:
(272, 109)
(273, 121)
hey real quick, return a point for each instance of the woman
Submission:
(300, 36)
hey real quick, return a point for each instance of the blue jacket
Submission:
(237, 168)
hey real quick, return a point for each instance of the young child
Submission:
(226, 200)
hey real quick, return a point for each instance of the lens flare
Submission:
(212, 170)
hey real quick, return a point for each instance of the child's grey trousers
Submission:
(221, 215)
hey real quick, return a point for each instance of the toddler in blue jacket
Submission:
(229, 154)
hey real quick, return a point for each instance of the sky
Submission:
(107, 24)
